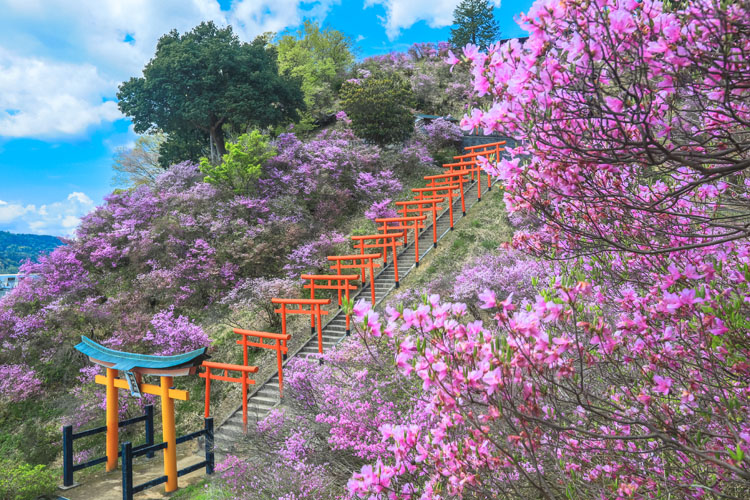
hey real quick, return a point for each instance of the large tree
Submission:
(474, 23)
(320, 59)
(204, 80)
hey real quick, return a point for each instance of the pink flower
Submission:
(614, 104)
(621, 21)
(662, 384)
(488, 298)
(452, 59)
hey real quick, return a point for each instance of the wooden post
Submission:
(279, 368)
(168, 435)
(320, 327)
(208, 394)
(372, 282)
(113, 427)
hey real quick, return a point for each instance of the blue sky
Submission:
(61, 62)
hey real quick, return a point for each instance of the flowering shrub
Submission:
(437, 88)
(628, 377)
(506, 273)
(312, 257)
(253, 296)
(173, 335)
(381, 209)
(329, 425)
(18, 382)
(327, 177)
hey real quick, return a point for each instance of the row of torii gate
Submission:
(440, 193)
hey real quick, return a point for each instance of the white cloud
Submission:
(12, 211)
(61, 61)
(59, 218)
(402, 14)
(49, 99)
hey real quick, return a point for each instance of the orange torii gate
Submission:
(343, 283)
(316, 313)
(472, 166)
(359, 262)
(404, 224)
(449, 178)
(421, 206)
(487, 150)
(435, 190)
(133, 366)
(279, 345)
(243, 379)
(383, 242)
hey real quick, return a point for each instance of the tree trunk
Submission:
(218, 148)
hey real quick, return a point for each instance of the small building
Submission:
(8, 282)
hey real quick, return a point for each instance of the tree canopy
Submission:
(319, 58)
(380, 108)
(474, 23)
(207, 79)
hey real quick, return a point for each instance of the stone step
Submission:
(265, 399)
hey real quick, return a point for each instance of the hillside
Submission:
(15, 248)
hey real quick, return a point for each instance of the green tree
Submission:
(379, 107)
(205, 80)
(241, 166)
(319, 58)
(474, 23)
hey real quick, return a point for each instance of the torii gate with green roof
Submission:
(134, 366)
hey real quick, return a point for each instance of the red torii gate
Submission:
(279, 345)
(447, 188)
(449, 178)
(359, 262)
(316, 313)
(487, 150)
(343, 283)
(419, 207)
(383, 241)
(243, 379)
(403, 224)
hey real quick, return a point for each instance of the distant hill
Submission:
(14, 248)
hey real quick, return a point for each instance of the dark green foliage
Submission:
(474, 23)
(184, 146)
(205, 80)
(380, 108)
(14, 248)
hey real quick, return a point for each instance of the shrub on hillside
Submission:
(380, 108)
(240, 168)
(21, 481)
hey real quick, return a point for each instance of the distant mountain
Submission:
(15, 248)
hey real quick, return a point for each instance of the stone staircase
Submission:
(266, 396)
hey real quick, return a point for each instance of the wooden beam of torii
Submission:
(315, 312)
(343, 283)
(134, 366)
(454, 177)
(405, 224)
(446, 190)
(381, 242)
(420, 207)
(360, 263)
